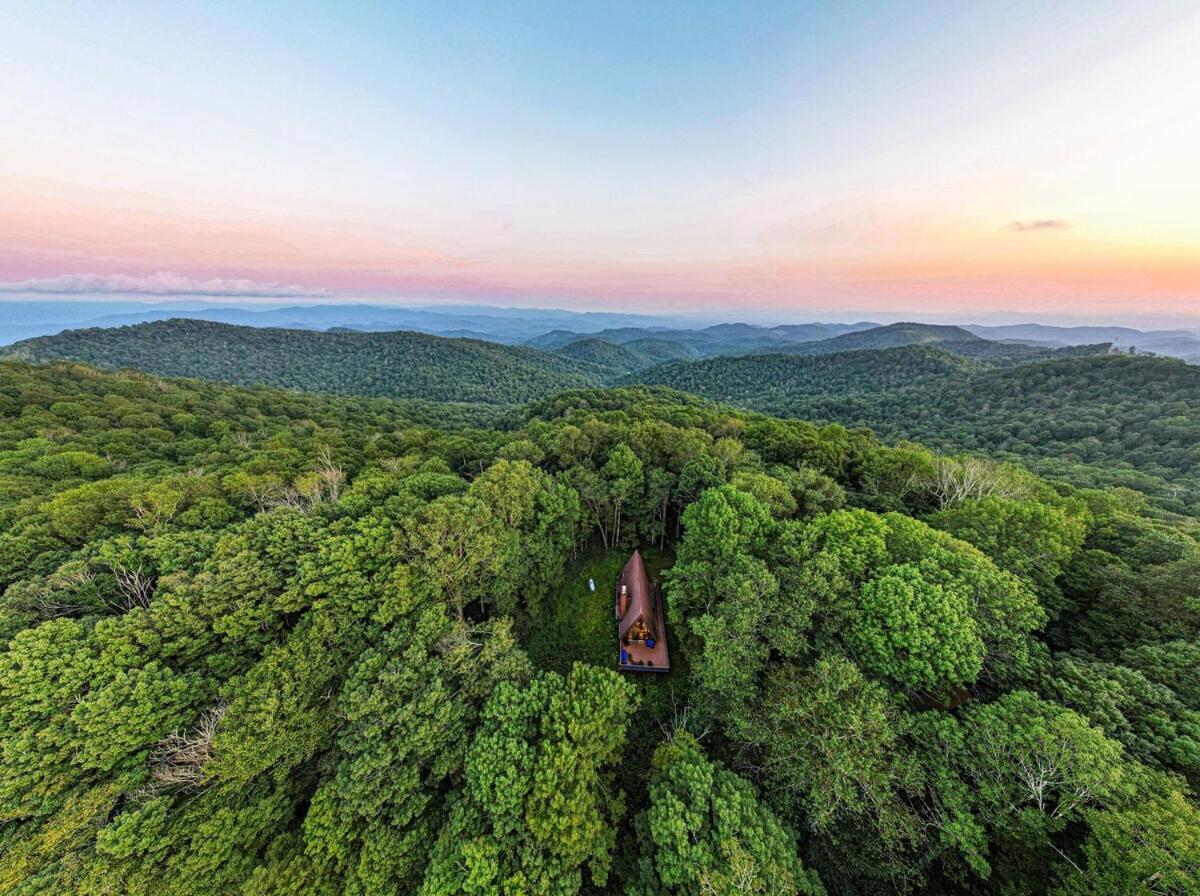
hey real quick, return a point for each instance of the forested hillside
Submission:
(892, 336)
(956, 340)
(256, 642)
(1184, 344)
(1094, 420)
(624, 357)
(720, 339)
(393, 364)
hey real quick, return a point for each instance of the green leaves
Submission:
(267, 644)
(907, 602)
(537, 805)
(828, 739)
(1027, 538)
(706, 831)
(1034, 763)
(457, 549)
(1149, 847)
(916, 632)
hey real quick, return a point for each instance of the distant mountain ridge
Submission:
(675, 336)
(954, 339)
(1051, 407)
(890, 336)
(1178, 343)
(1079, 412)
(733, 340)
(757, 381)
(25, 319)
(396, 364)
(719, 339)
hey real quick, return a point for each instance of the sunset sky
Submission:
(1040, 158)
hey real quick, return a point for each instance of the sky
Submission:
(935, 158)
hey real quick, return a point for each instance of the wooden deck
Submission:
(635, 656)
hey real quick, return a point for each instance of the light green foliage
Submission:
(625, 477)
(1027, 538)
(541, 518)
(828, 737)
(1037, 766)
(41, 673)
(1150, 848)
(906, 601)
(731, 649)
(703, 473)
(535, 807)
(813, 491)
(79, 513)
(608, 492)
(724, 595)
(410, 706)
(771, 491)
(707, 832)
(725, 524)
(458, 549)
(839, 551)
(916, 632)
(1005, 611)
(899, 477)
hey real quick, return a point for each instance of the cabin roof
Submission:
(640, 651)
(641, 601)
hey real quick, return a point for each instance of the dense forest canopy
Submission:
(1075, 413)
(1105, 419)
(257, 642)
(394, 364)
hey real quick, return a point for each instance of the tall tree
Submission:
(537, 803)
(707, 832)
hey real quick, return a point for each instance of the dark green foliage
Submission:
(1102, 420)
(392, 364)
(260, 643)
(621, 357)
(610, 355)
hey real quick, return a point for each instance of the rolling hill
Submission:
(624, 357)
(1184, 344)
(725, 340)
(612, 355)
(1087, 417)
(1096, 419)
(954, 339)
(759, 381)
(719, 339)
(392, 364)
(892, 336)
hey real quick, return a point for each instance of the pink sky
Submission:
(1031, 160)
(834, 259)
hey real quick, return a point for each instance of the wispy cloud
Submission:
(162, 283)
(1038, 224)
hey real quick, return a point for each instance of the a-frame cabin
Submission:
(641, 627)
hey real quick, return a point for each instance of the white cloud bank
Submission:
(162, 283)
